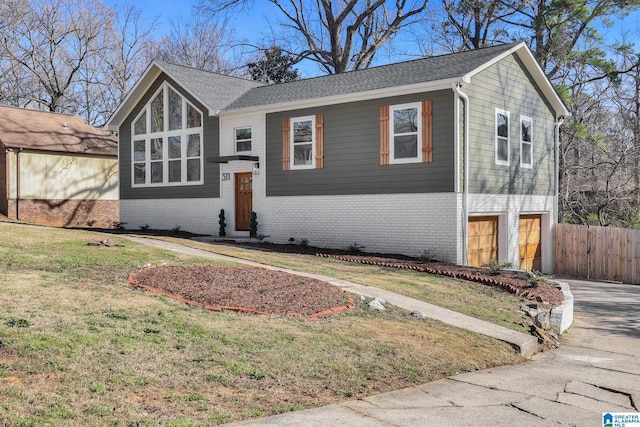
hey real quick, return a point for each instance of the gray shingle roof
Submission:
(217, 91)
(400, 74)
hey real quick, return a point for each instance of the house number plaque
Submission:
(226, 176)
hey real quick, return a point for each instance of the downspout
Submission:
(558, 123)
(457, 87)
(556, 142)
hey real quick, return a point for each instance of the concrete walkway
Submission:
(597, 369)
(525, 344)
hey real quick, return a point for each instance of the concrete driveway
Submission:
(597, 369)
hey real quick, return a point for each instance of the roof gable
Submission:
(214, 91)
(46, 131)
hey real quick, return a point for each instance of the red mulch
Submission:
(245, 289)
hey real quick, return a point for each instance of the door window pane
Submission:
(194, 118)
(156, 149)
(193, 146)
(138, 173)
(156, 172)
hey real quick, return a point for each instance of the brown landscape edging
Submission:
(464, 276)
(349, 306)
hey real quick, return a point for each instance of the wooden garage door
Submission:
(483, 240)
(530, 249)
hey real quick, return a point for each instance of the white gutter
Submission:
(465, 196)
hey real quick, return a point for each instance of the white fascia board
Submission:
(523, 52)
(343, 99)
(149, 76)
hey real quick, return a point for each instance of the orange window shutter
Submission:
(285, 145)
(319, 141)
(384, 135)
(427, 131)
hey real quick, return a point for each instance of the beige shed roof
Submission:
(41, 130)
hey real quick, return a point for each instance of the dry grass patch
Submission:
(78, 346)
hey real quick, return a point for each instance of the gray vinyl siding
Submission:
(508, 86)
(352, 152)
(210, 134)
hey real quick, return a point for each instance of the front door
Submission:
(243, 201)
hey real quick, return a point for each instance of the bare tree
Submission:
(47, 44)
(473, 24)
(339, 36)
(197, 43)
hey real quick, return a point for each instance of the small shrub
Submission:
(223, 225)
(117, 225)
(304, 243)
(355, 248)
(144, 227)
(535, 278)
(427, 255)
(495, 267)
(261, 237)
(176, 229)
(254, 225)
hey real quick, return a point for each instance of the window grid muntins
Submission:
(526, 142)
(502, 137)
(405, 133)
(303, 140)
(171, 153)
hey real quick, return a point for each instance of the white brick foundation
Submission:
(395, 223)
(194, 215)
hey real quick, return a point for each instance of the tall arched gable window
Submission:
(166, 136)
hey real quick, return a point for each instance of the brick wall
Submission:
(392, 223)
(68, 213)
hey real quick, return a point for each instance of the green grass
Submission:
(79, 346)
(474, 299)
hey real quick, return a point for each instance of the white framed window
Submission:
(303, 142)
(405, 138)
(526, 142)
(242, 138)
(166, 145)
(502, 137)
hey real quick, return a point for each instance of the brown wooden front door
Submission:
(244, 198)
(530, 248)
(483, 240)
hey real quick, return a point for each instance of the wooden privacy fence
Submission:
(601, 253)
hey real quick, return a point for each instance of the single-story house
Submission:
(57, 170)
(452, 154)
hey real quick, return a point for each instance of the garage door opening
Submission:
(483, 240)
(530, 238)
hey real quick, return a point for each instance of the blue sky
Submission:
(251, 24)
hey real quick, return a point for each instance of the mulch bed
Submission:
(507, 280)
(244, 289)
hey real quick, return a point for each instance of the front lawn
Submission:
(79, 346)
